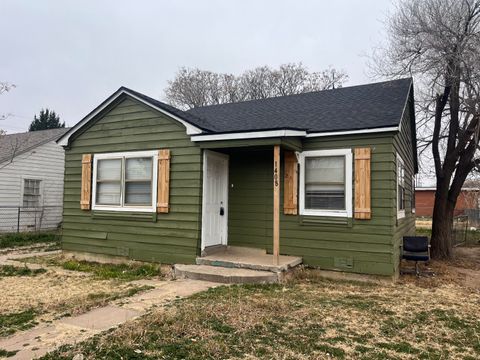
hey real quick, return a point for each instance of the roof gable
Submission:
(192, 124)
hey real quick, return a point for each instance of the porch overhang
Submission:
(288, 143)
(262, 134)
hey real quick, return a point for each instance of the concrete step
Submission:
(225, 275)
(262, 262)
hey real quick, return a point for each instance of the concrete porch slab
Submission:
(248, 258)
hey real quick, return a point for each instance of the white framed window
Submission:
(400, 187)
(413, 194)
(32, 193)
(125, 181)
(326, 182)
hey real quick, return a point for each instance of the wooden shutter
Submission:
(86, 193)
(163, 181)
(290, 184)
(362, 183)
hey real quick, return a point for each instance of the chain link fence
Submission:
(460, 230)
(26, 219)
(473, 217)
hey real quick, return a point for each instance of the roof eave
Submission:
(285, 133)
(249, 135)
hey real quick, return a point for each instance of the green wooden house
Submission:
(326, 176)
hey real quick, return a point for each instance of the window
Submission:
(326, 183)
(31, 193)
(400, 187)
(413, 194)
(125, 181)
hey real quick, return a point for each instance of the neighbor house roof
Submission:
(371, 106)
(15, 144)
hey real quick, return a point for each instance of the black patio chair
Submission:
(415, 248)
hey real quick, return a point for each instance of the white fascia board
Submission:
(249, 135)
(354, 132)
(191, 129)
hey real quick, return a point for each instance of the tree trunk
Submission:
(442, 224)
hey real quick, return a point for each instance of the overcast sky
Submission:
(69, 58)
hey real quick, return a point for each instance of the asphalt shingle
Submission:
(368, 106)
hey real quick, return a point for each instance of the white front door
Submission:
(215, 199)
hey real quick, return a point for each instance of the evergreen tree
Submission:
(46, 120)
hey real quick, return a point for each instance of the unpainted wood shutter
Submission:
(290, 184)
(86, 192)
(362, 183)
(163, 181)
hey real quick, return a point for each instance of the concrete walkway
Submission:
(44, 338)
(15, 258)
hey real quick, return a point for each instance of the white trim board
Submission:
(63, 141)
(249, 135)
(352, 132)
(286, 133)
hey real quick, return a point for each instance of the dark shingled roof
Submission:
(368, 106)
(15, 144)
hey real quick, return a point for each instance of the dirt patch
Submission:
(466, 257)
(462, 270)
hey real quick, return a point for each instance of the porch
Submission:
(243, 202)
(241, 210)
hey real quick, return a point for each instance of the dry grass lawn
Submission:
(33, 297)
(310, 318)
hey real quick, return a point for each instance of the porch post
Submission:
(276, 204)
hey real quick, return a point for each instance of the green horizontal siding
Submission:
(403, 146)
(369, 243)
(172, 237)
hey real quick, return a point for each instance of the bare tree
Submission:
(5, 87)
(195, 87)
(438, 41)
(14, 145)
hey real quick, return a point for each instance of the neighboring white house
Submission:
(31, 180)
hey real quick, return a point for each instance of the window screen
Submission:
(138, 181)
(325, 182)
(109, 181)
